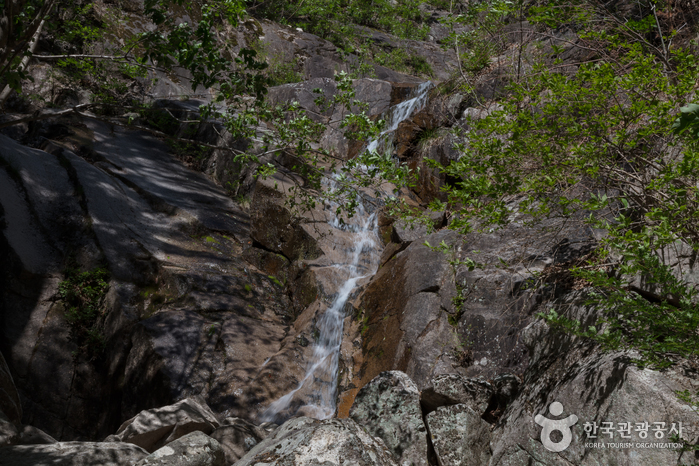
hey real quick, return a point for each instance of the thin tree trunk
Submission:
(25, 61)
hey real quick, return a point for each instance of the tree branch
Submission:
(25, 61)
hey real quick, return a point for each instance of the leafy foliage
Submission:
(83, 293)
(400, 60)
(342, 22)
(323, 177)
(184, 35)
(476, 36)
(601, 143)
(335, 20)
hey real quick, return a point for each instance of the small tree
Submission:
(238, 81)
(598, 139)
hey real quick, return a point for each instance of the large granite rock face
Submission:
(275, 229)
(459, 436)
(498, 297)
(193, 449)
(461, 310)
(307, 442)
(157, 427)
(183, 303)
(597, 388)
(41, 218)
(72, 454)
(389, 408)
(405, 326)
(427, 313)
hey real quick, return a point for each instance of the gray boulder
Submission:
(459, 436)
(154, 428)
(194, 449)
(72, 454)
(389, 408)
(404, 232)
(237, 437)
(596, 388)
(307, 442)
(451, 389)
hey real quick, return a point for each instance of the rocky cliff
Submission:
(156, 303)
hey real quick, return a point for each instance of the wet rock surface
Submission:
(429, 313)
(404, 315)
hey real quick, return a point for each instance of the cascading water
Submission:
(315, 395)
(361, 260)
(399, 113)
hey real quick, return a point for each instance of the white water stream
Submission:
(399, 113)
(316, 394)
(318, 389)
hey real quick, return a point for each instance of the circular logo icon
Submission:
(550, 425)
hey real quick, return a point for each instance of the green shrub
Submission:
(334, 20)
(598, 144)
(400, 60)
(82, 294)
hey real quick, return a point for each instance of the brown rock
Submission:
(274, 229)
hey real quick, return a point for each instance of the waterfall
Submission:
(315, 396)
(399, 113)
(319, 386)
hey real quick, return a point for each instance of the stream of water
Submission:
(318, 389)
(316, 394)
(399, 113)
